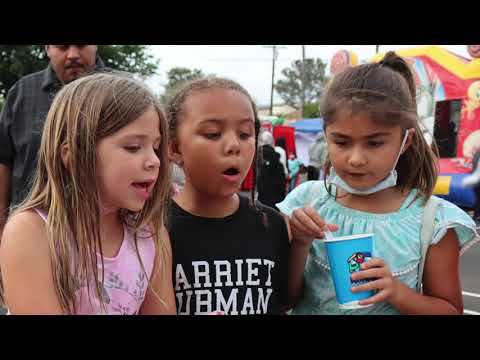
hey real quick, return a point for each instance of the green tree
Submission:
(311, 110)
(290, 88)
(20, 60)
(135, 59)
(177, 76)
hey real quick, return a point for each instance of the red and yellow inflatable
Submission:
(448, 98)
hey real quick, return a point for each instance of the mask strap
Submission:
(401, 149)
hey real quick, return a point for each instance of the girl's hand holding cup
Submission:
(386, 285)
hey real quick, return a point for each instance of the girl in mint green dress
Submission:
(380, 174)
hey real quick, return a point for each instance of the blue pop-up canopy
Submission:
(313, 125)
(305, 132)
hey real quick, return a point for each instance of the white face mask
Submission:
(388, 182)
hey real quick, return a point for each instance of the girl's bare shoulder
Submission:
(26, 266)
(23, 234)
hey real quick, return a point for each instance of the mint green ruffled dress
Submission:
(397, 241)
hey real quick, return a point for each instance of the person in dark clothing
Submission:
(281, 149)
(271, 178)
(22, 118)
(313, 173)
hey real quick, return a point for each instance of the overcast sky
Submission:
(251, 65)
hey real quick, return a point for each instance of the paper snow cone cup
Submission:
(345, 255)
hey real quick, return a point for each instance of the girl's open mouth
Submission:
(231, 174)
(144, 188)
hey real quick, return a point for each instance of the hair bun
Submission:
(396, 63)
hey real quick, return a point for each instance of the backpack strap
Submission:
(426, 235)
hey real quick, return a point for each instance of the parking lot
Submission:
(470, 275)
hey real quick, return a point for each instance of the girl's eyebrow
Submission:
(378, 134)
(140, 137)
(221, 121)
(214, 121)
(371, 136)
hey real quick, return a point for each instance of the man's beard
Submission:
(83, 70)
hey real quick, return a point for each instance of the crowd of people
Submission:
(112, 203)
(280, 171)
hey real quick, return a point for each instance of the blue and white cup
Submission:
(345, 255)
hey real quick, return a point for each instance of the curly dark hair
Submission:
(175, 111)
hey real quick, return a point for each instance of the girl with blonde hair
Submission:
(90, 238)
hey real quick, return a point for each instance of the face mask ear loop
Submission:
(401, 148)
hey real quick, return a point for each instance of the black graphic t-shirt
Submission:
(237, 264)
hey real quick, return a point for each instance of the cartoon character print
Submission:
(341, 60)
(473, 100)
(474, 51)
(427, 85)
(356, 260)
(471, 145)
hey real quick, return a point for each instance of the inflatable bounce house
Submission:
(448, 102)
(448, 98)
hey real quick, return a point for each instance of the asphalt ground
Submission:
(470, 277)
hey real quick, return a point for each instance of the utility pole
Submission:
(274, 58)
(377, 48)
(302, 95)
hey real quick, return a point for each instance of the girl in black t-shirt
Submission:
(230, 254)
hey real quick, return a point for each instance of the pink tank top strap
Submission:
(42, 214)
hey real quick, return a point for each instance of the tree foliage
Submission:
(135, 59)
(176, 77)
(311, 110)
(20, 60)
(290, 88)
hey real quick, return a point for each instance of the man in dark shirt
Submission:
(24, 113)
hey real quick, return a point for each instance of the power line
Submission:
(274, 58)
(229, 59)
(302, 97)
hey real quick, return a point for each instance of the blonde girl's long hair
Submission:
(83, 113)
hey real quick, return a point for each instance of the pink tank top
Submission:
(125, 283)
